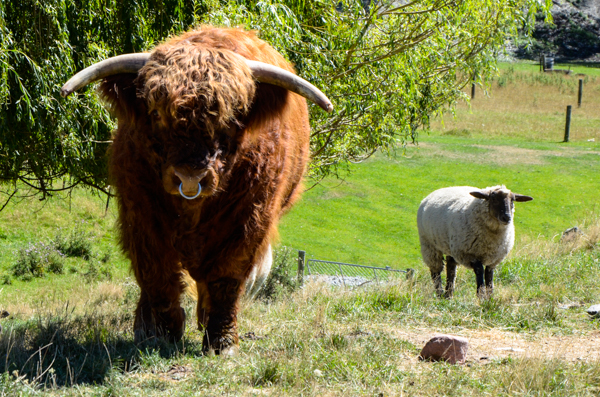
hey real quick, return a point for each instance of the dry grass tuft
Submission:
(585, 238)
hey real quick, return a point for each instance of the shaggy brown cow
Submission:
(204, 162)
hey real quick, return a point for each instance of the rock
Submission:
(251, 336)
(594, 311)
(3, 314)
(449, 348)
(571, 234)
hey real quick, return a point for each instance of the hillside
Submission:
(574, 34)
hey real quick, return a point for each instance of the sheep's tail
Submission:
(191, 288)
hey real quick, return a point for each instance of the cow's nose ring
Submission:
(190, 197)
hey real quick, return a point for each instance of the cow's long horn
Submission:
(267, 73)
(132, 63)
(127, 63)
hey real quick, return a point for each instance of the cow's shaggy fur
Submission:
(194, 111)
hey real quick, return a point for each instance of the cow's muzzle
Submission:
(187, 183)
(190, 197)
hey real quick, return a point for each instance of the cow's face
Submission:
(194, 98)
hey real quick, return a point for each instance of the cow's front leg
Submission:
(159, 312)
(221, 334)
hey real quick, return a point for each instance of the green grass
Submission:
(71, 334)
(375, 209)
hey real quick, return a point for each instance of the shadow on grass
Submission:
(66, 350)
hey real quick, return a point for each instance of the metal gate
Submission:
(347, 273)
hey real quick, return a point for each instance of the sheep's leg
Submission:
(489, 280)
(479, 275)
(434, 260)
(450, 276)
(437, 282)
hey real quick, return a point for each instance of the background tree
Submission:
(387, 68)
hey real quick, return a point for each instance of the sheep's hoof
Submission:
(484, 294)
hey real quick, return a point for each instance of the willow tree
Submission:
(388, 67)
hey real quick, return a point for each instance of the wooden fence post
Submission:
(543, 63)
(580, 93)
(301, 261)
(568, 124)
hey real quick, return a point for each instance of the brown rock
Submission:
(452, 349)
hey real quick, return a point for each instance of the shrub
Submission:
(97, 270)
(282, 279)
(36, 260)
(78, 243)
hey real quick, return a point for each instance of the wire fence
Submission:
(348, 274)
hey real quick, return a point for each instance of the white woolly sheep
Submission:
(473, 227)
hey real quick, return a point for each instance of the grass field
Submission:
(70, 333)
(505, 137)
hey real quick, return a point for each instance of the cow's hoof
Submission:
(230, 351)
(169, 325)
(176, 326)
(143, 336)
(220, 346)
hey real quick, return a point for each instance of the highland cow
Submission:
(210, 151)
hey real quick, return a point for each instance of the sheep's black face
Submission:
(501, 206)
(501, 203)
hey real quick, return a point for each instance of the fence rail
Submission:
(347, 273)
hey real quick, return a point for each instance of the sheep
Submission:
(473, 227)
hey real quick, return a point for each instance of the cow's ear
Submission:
(120, 94)
(269, 100)
(480, 195)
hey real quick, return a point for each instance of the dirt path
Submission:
(502, 155)
(493, 344)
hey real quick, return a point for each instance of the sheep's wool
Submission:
(452, 222)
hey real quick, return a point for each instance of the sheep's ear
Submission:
(480, 195)
(520, 197)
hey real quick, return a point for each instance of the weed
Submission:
(77, 243)
(97, 270)
(282, 279)
(104, 258)
(339, 342)
(266, 374)
(463, 132)
(37, 260)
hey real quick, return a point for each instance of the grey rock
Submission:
(3, 313)
(571, 234)
(449, 348)
(594, 311)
